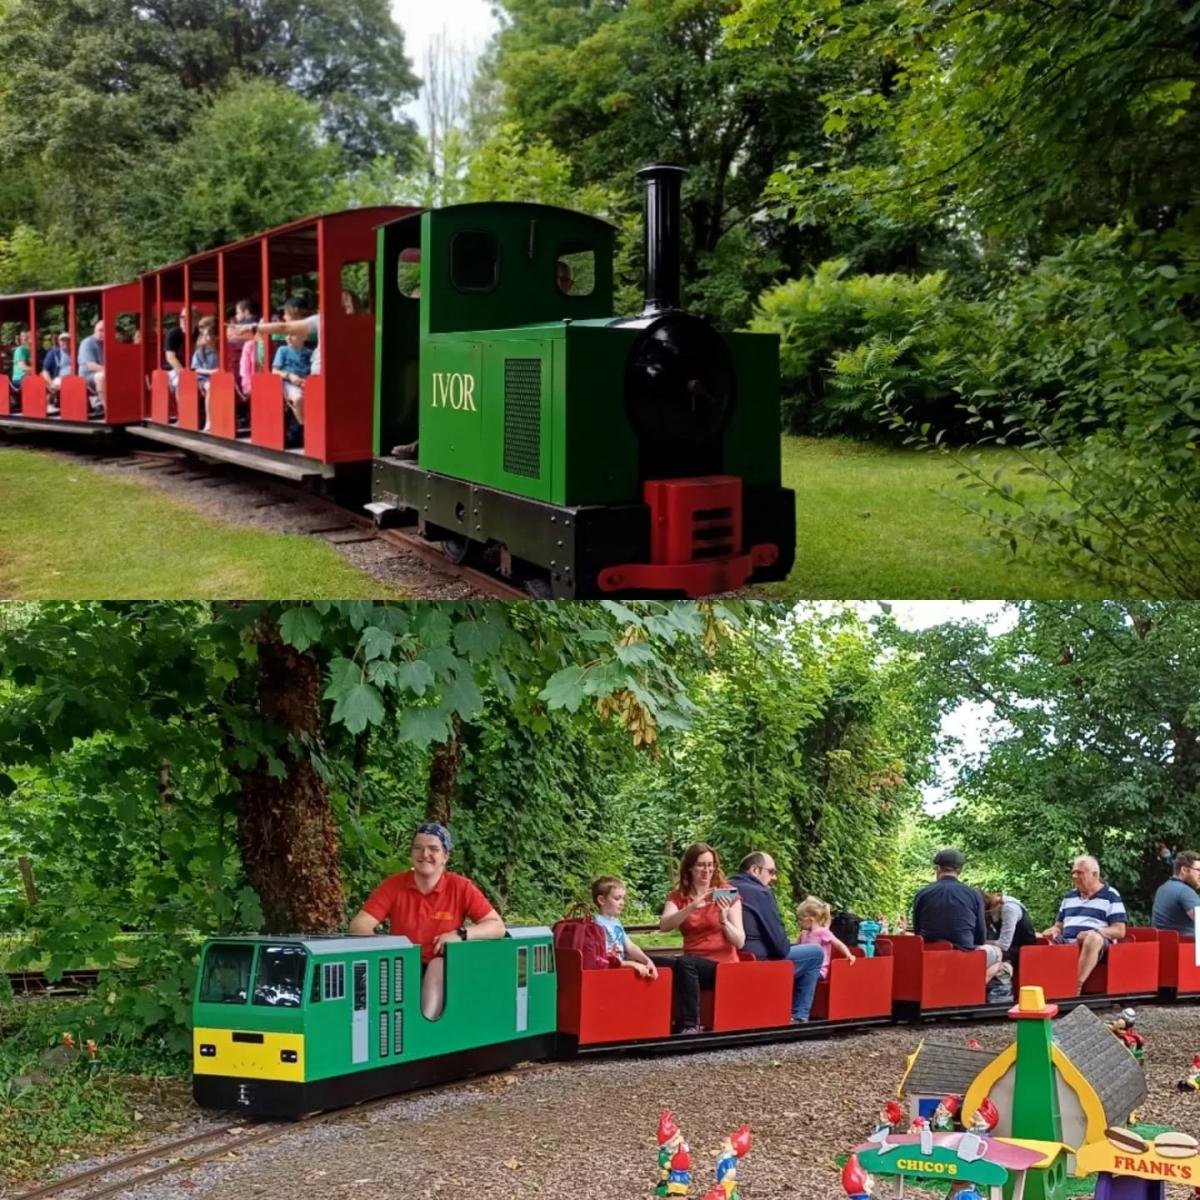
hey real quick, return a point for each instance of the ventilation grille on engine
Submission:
(713, 533)
(523, 416)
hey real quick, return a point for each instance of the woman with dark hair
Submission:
(711, 924)
(1009, 925)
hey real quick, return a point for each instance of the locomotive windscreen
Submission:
(680, 391)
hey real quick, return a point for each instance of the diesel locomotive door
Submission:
(359, 1031)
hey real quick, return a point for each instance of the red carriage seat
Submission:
(934, 975)
(748, 995)
(858, 990)
(1177, 970)
(1129, 966)
(613, 1005)
(1053, 968)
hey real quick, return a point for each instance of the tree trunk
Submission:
(31, 892)
(286, 829)
(443, 776)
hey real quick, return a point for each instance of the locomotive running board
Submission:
(287, 464)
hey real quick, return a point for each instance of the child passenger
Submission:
(815, 917)
(204, 362)
(608, 893)
(293, 362)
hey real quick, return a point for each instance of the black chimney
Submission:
(663, 184)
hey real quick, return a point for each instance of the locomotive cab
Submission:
(288, 1025)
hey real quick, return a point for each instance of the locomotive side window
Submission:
(575, 271)
(280, 979)
(408, 273)
(226, 975)
(335, 981)
(475, 262)
(358, 293)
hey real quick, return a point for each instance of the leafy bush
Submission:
(1094, 358)
(842, 337)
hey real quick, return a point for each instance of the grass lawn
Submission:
(872, 523)
(67, 532)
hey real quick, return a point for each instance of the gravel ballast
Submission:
(586, 1129)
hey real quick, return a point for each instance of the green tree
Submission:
(1020, 121)
(1093, 746)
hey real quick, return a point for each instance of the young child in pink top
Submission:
(815, 916)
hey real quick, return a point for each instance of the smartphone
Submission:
(725, 893)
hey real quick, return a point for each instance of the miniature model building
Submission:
(1097, 1082)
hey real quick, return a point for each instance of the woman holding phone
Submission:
(709, 914)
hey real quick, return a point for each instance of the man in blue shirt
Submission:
(1175, 901)
(765, 934)
(91, 367)
(55, 368)
(946, 910)
(1092, 914)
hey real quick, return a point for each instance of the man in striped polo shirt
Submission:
(1091, 914)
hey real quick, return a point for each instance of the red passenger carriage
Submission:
(331, 257)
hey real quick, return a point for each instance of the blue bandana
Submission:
(438, 831)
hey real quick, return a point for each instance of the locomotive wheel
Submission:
(457, 550)
(537, 587)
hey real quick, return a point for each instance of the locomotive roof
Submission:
(340, 943)
(509, 206)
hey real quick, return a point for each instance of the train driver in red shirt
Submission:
(431, 907)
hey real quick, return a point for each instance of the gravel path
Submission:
(586, 1130)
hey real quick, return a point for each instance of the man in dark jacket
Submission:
(765, 934)
(947, 910)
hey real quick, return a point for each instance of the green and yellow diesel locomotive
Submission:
(585, 454)
(289, 1025)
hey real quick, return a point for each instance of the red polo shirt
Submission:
(421, 916)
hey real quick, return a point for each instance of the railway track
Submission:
(31, 983)
(169, 1158)
(336, 524)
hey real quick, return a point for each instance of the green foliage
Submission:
(1093, 745)
(1020, 121)
(31, 260)
(1090, 365)
(842, 336)
(253, 157)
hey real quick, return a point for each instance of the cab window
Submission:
(226, 977)
(475, 262)
(280, 979)
(575, 271)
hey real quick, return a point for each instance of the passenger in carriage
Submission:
(815, 917)
(175, 345)
(712, 931)
(949, 911)
(765, 935)
(22, 364)
(430, 906)
(1091, 914)
(1009, 926)
(205, 362)
(1175, 901)
(55, 369)
(91, 368)
(608, 894)
(293, 364)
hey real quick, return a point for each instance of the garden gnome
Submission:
(669, 1141)
(891, 1117)
(679, 1177)
(985, 1118)
(944, 1114)
(733, 1149)
(856, 1183)
(1191, 1081)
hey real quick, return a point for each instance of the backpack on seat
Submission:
(577, 931)
(844, 927)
